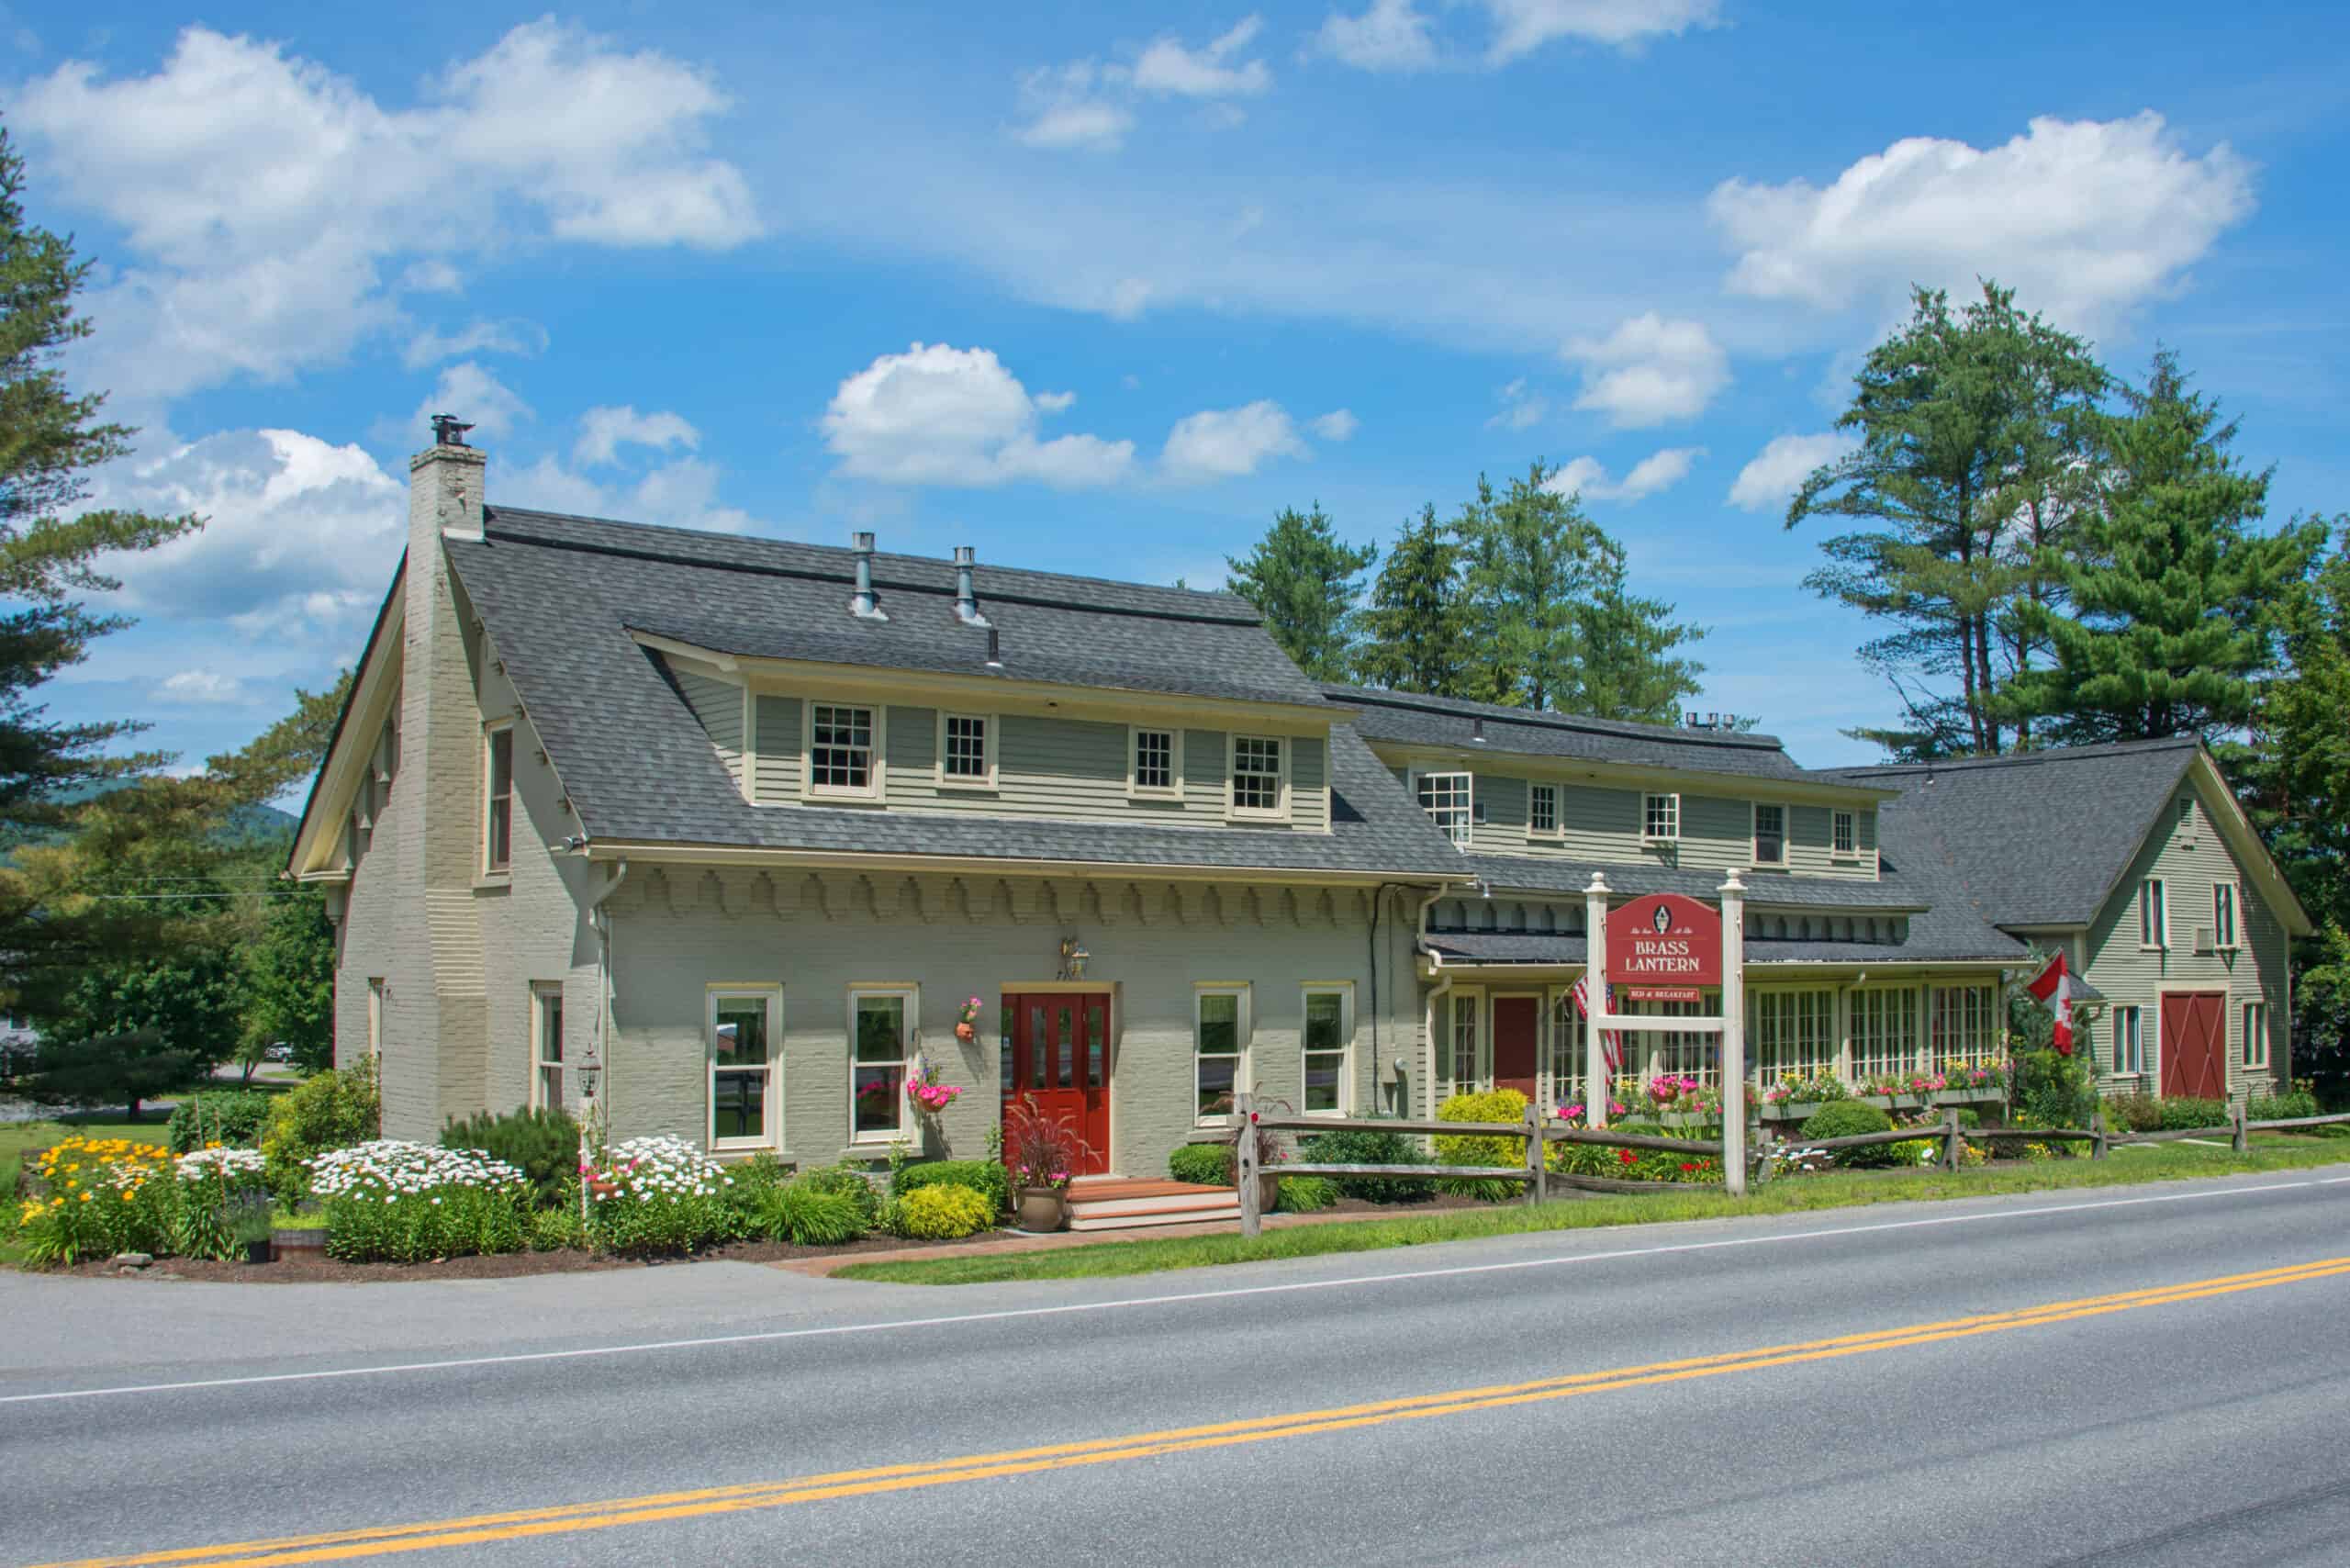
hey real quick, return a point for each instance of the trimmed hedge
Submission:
(2183, 1113)
(940, 1213)
(230, 1116)
(988, 1177)
(1202, 1164)
(1497, 1105)
(1371, 1149)
(1851, 1118)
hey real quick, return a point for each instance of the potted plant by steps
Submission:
(1269, 1154)
(1043, 1152)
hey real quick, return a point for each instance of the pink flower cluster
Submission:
(1574, 1111)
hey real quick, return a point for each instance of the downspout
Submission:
(1437, 993)
(602, 920)
(1420, 929)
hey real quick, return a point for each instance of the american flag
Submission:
(1610, 1040)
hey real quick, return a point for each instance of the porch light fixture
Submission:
(1073, 957)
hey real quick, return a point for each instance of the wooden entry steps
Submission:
(1111, 1203)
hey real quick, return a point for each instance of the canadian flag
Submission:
(2054, 987)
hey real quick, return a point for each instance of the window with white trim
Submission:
(2186, 818)
(966, 750)
(498, 800)
(375, 1017)
(1885, 1031)
(1257, 776)
(840, 749)
(1460, 1055)
(1154, 771)
(1661, 819)
(881, 1027)
(1794, 1032)
(745, 1103)
(546, 1045)
(1845, 833)
(2153, 914)
(1447, 799)
(1964, 1024)
(1542, 809)
(1325, 1040)
(2129, 1040)
(1769, 835)
(2255, 1034)
(2223, 916)
(1219, 1040)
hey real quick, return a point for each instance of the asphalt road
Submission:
(1863, 1386)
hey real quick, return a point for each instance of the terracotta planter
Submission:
(965, 1032)
(602, 1188)
(1043, 1208)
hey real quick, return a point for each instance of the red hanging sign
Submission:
(1665, 947)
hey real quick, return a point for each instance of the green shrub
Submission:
(2055, 1090)
(808, 1216)
(233, 1117)
(1371, 1149)
(1202, 1164)
(1303, 1195)
(1498, 1106)
(2133, 1113)
(2182, 1115)
(1850, 1118)
(940, 1213)
(329, 1110)
(558, 1228)
(985, 1177)
(542, 1145)
(666, 1197)
(851, 1184)
(2296, 1101)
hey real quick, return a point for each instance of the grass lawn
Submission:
(1843, 1189)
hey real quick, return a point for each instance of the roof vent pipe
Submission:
(862, 604)
(966, 600)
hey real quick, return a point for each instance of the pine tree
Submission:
(1972, 431)
(1416, 629)
(1528, 553)
(2171, 624)
(1306, 584)
(1625, 667)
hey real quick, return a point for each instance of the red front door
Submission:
(1059, 1056)
(1516, 1023)
(2195, 1043)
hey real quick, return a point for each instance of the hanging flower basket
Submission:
(966, 1022)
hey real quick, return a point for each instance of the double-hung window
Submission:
(745, 1029)
(1542, 809)
(966, 751)
(546, 1046)
(1219, 1038)
(2223, 916)
(1460, 1064)
(2255, 1034)
(1845, 833)
(881, 1025)
(1447, 799)
(840, 749)
(1327, 1033)
(1256, 789)
(498, 800)
(1156, 769)
(2153, 914)
(376, 1018)
(1659, 819)
(1769, 835)
(2129, 1040)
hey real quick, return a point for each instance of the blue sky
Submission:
(1169, 270)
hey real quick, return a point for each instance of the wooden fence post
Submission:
(1951, 1138)
(2240, 1139)
(1538, 1169)
(2096, 1125)
(1244, 1162)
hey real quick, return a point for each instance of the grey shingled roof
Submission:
(2036, 839)
(1409, 719)
(560, 596)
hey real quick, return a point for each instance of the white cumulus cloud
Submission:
(265, 200)
(1214, 70)
(1588, 477)
(474, 396)
(1774, 472)
(2082, 217)
(1650, 370)
(1521, 26)
(1392, 35)
(1338, 425)
(199, 686)
(1223, 443)
(939, 415)
(604, 430)
(1066, 107)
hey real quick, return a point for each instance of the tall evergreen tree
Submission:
(1528, 552)
(1971, 429)
(2172, 623)
(1625, 667)
(1307, 583)
(1416, 632)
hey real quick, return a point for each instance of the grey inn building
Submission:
(746, 828)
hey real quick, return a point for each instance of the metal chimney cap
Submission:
(862, 542)
(964, 556)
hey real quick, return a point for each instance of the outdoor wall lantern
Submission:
(1073, 957)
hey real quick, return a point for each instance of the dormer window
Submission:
(1448, 798)
(1155, 760)
(966, 751)
(1542, 809)
(1844, 834)
(840, 749)
(1258, 777)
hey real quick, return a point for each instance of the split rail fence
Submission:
(1540, 1132)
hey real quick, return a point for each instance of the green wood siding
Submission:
(1603, 824)
(775, 742)
(720, 707)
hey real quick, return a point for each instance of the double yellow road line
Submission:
(654, 1508)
